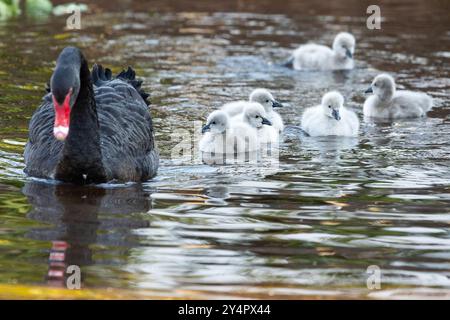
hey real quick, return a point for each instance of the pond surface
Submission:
(308, 227)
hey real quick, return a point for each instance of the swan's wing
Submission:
(411, 104)
(127, 137)
(417, 99)
(102, 78)
(312, 56)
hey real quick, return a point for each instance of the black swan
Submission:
(91, 128)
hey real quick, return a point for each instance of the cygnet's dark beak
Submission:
(336, 115)
(348, 53)
(266, 122)
(206, 128)
(276, 104)
(369, 90)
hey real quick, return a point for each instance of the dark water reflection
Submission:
(311, 225)
(84, 218)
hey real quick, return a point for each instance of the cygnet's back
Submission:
(234, 108)
(245, 137)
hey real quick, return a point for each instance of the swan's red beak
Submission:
(62, 117)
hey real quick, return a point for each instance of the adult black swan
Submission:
(91, 128)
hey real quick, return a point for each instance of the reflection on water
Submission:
(309, 226)
(80, 217)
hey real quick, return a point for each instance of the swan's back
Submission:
(126, 128)
(243, 137)
(410, 101)
(312, 56)
(234, 108)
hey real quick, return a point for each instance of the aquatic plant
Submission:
(36, 8)
(68, 8)
(9, 8)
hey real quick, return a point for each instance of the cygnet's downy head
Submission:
(344, 45)
(383, 86)
(217, 122)
(265, 98)
(332, 102)
(255, 115)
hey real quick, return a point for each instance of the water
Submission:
(309, 227)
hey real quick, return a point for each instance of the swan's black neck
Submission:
(81, 158)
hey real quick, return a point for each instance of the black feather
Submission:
(129, 76)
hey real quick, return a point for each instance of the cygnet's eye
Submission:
(213, 122)
(267, 101)
(256, 117)
(375, 85)
(329, 107)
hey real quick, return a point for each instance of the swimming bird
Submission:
(255, 116)
(91, 128)
(389, 103)
(266, 99)
(263, 97)
(330, 118)
(222, 135)
(319, 57)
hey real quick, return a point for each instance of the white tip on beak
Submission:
(61, 132)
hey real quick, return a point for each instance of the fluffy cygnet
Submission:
(330, 118)
(266, 99)
(263, 97)
(388, 103)
(319, 57)
(255, 116)
(223, 134)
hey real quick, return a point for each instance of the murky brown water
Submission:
(310, 227)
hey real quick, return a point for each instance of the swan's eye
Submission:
(374, 84)
(267, 101)
(257, 117)
(329, 107)
(213, 122)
